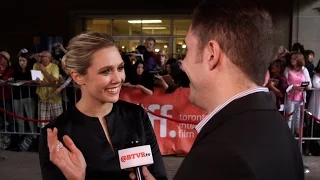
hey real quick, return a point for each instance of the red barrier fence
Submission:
(173, 137)
(172, 116)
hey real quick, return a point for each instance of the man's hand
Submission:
(42, 68)
(38, 80)
(146, 173)
(57, 91)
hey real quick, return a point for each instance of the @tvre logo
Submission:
(133, 156)
(136, 156)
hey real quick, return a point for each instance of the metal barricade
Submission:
(308, 118)
(18, 105)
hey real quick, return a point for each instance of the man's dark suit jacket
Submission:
(247, 140)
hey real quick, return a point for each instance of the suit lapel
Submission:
(252, 102)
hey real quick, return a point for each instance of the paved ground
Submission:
(25, 166)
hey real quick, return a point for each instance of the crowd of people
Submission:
(145, 69)
(295, 81)
(242, 137)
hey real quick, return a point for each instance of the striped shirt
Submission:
(215, 111)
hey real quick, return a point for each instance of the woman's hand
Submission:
(138, 86)
(278, 94)
(127, 84)
(68, 159)
(162, 82)
(159, 77)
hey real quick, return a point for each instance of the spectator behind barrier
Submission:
(140, 79)
(6, 72)
(180, 79)
(161, 60)
(278, 82)
(148, 58)
(309, 56)
(48, 107)
(296, 74)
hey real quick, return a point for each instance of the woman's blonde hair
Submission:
(81, 48)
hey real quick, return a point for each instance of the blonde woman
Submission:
(83, 143)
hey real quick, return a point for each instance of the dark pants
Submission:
(6, 119)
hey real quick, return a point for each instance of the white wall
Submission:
(306, 25)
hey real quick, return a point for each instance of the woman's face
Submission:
(294, 60)
(140, 69)
(275, 68)
(310, 57)
(23, 62)
(168, 68)
(104, 77)
(162, 58)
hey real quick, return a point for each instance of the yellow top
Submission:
(45, 92)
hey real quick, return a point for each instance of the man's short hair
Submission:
(243, 31)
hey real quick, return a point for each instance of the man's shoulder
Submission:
(35, 66)
(53, 66)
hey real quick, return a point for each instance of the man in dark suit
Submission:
(244, 137)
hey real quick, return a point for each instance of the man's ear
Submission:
(212, 53)
(78, 78)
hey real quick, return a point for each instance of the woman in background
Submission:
(180, 79)
(140, 79)
(296, 74)
(278, 83)
(161, 60)
(315, 95)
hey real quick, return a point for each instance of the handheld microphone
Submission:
(135, 156)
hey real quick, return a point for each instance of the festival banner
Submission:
(173, 137)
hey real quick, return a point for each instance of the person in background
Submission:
(49, 107)
(177, 75)
(266, 79)
(149, 62)
(6, 73)
(309, 57)
(313, 147)
(150, 44)
(140, 79)
(24, 99)
(161, 60)
(296, 74)
(278, 83)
